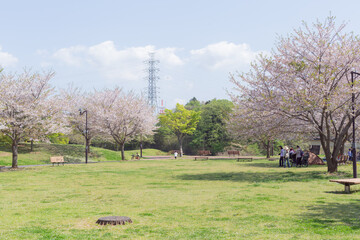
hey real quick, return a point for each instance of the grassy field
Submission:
(182, 199)
(72, 153)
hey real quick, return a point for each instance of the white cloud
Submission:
(116, 64)
(202, 72)
(168, 56)
(223, 55)
(71, 56)
(6, 59)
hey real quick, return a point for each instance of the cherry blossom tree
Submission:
(307, 77)
(122, 116)
(28, 105)
(261, 126)
(246, 122)
(78, 100)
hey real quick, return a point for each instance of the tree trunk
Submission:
(340, 138)
(331, 156)
(331, 160)
(122, 151)
(268, 149)
(342, 148)
(325, 144)
(32, 145)
(180, 146)
(14, 149)
(332, 165)
(141, 148)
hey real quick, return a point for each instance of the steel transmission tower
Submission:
(152, 79)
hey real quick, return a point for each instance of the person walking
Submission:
(299, 154)
(282, 155)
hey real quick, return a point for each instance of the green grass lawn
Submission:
(72, 153)
(182, 199)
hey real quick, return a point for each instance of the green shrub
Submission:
(58, 138)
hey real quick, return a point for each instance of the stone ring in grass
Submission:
(113, 220)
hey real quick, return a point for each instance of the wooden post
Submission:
(347, 188)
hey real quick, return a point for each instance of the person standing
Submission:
(282, 155)
(350, 154)
(292, 156)
(299, 154)
(286, 158)
(175, 154)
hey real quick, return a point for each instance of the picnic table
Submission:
(347, 182)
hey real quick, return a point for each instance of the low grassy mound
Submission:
(72, 153)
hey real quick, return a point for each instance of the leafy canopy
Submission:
(180, 121)
(211, 133)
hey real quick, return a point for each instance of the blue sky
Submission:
(101, 44)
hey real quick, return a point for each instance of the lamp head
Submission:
(82, 111)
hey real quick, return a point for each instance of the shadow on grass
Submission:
(333, 215)
(275, 164)
(343, 192)
(263, 164)
(259, 176)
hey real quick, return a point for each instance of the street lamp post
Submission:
(141, 146)
(122, 146)
(354, 157)
(86, 134)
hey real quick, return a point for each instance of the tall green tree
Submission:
(181, 122)
(164, 139)
(193, 104)
(211, 133)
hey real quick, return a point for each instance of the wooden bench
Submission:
(57, 159)
(244, 159)
(347, 182)
(201, 158)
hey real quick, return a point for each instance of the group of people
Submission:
(288, 156)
